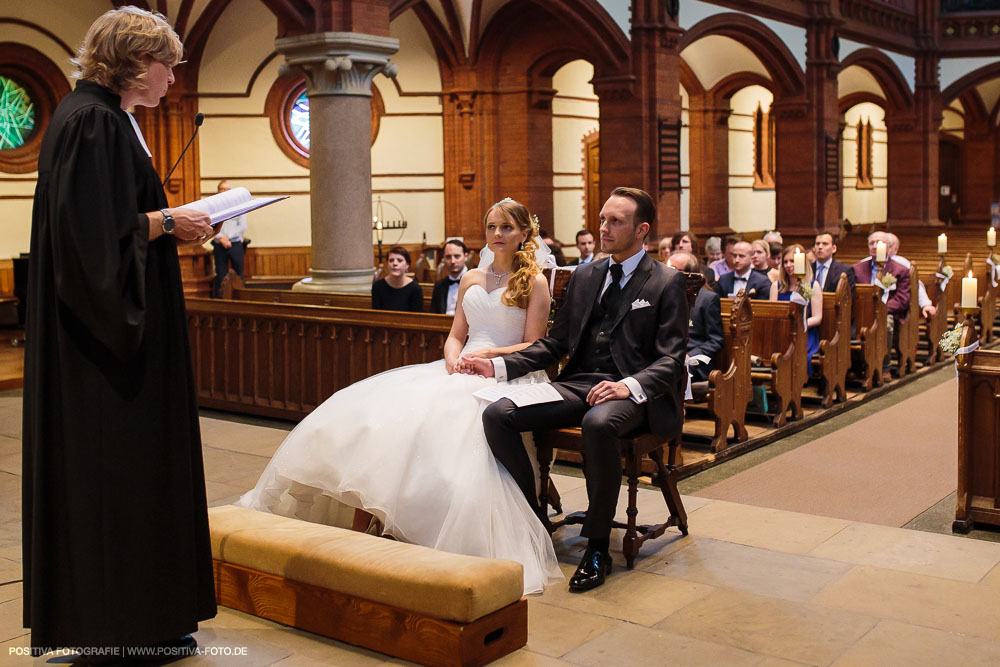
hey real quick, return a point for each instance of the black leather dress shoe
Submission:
(595, 566)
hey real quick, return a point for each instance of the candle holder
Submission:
(380, 224)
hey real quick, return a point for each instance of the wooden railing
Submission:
(281, 360)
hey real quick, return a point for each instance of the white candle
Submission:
(378, 229)
(991, 237)
(970, 292)
(880, 251)
(800, 263)
(942, 244)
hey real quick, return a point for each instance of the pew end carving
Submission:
(870, 348)
(907, 332)
(778, 340)
(833, 360)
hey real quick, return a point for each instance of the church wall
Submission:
(685, 159)
(749, 209)
(864, 205)
(575, 111)
(236, 141)
(17, 190)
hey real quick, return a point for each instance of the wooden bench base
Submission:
(372, 625)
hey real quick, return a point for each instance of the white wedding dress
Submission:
(408, 446)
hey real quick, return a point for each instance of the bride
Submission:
(407, 445)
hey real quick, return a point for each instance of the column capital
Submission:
(339, 63)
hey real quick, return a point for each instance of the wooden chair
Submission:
(908, 332)
(833, 359)
(633, 446)
(868, 351)
(728, 389)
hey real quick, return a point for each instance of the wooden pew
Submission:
(987, 308)
(869, 349)
(778, 339)
(934, 327)
(833, 360)
(282, 360)
(978, 497)
(234, 288)
(908, 332)
(728, 389)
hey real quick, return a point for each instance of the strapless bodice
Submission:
(491, 323)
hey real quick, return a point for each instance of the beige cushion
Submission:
(430, 582)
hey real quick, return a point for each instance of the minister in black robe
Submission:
(115, 527)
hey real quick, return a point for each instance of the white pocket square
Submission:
(640, 303)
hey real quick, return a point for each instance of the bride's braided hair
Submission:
(524, 267)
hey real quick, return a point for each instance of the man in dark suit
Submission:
(743, 277)
(624, 327)
(828, 270)
(585, 244)
(869, 271)
(444, 298)
(705, 332)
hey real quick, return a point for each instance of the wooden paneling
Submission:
(6, 277)
(978, 498)
(282, 360)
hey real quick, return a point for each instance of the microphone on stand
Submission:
(199, 118)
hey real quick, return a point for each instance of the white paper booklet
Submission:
(229, 204)
(520, 394)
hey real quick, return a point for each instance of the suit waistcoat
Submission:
(594, 351)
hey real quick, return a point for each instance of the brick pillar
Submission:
(634, 106)
(339, 68)
(468, 152)
(524, 129)
(807, 139)
(708, 164)
(977, 188)
(913, 151)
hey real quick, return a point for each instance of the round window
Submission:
(298, 119)
(17, 114)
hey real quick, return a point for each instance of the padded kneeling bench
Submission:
(412, 602)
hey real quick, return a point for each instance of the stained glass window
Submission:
(298, 119)
(17, 114)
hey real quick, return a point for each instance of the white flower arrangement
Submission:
(951, 340)
(805, 291)
(887, 280)
(946, 271)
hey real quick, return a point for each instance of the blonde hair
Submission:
(111, 53)
(784, 284)
(525, 267)
(763, 245)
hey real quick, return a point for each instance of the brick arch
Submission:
(788, 78)
(848, 101)
(524, 33)
(898, 97)
(973, 78)
(734, 83)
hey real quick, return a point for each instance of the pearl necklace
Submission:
(498, 276)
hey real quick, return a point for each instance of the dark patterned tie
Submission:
(613, 294)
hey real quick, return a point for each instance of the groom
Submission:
(624, 325)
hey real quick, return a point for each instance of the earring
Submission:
(520, 246)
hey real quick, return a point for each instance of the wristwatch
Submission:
(168, 222)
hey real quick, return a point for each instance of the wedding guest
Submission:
(725, 265)
(554, 246)
(788, 284)
(705, 335)
(826, 269)
(760, 251)
(688, 242)
(398, 291)
(742, 277)
(116, 555)
(585, 244)
(773, 236)
(228, 246)
(713, 249)
(927, 307)
(871, 272)
(445, 295)
(774, 260)
(664, 249)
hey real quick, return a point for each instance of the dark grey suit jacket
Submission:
(706, 335)
(833, 275)
(758, 286)
(648, 343)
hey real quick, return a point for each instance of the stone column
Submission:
(339, 68)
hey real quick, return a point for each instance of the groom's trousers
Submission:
(601, 426)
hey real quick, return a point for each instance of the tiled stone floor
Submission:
(749, 586)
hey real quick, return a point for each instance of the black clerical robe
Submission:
(115, 526)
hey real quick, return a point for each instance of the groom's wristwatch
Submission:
(168, 222)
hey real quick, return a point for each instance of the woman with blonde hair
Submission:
(117, 557)
(408, 445)
(790, 287)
